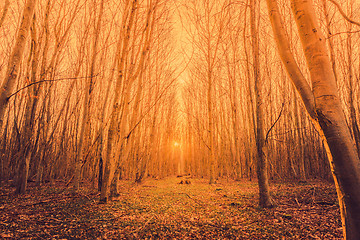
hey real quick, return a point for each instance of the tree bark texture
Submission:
(4, 12)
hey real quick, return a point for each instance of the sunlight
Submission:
(176, 144)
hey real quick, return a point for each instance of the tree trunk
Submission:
(262, 162)
(29, 118)
(211, 131)
(15, 58)
(110, 162)
(326, 111)
(345, 161)
(4, 12)
(329, 39)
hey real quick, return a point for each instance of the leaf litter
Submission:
(164, 209)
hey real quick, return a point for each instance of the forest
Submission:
(180, 119)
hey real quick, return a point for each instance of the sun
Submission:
(176, 144)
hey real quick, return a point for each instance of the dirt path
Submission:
(167, 210)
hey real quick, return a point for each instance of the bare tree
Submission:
(262, 164)
(323, 105)
(15, 58)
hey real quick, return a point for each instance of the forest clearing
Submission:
(165, 209)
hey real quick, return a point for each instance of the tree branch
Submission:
(46, 80)
(273, 125)
(343, 13)
(333, 35)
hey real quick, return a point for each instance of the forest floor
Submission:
(165, 209)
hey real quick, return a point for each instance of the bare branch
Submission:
(343, 13)
(47, 80)
(333, 35)
(273, 125)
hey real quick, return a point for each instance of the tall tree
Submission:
(15, 58)
(323, 105)
(262, 162)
